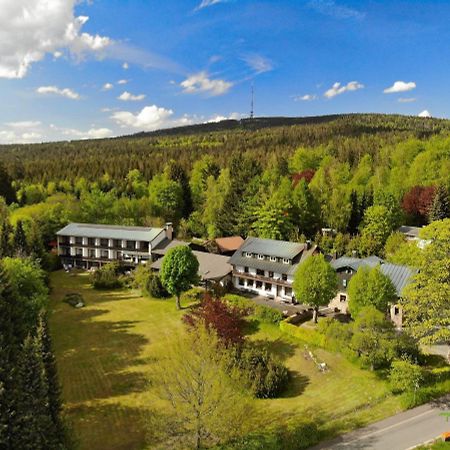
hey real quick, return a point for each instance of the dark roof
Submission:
(410, 231)
(211, 266)
(90, 230)
(399, 275)
(270, 247)
(229, 244)
(166, 244)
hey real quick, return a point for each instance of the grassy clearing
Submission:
(105, 352)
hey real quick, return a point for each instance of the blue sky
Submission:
(76, 69)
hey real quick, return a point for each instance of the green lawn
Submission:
(105, 352)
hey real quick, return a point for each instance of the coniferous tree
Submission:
(35, 430)
(20, 240)
(440, 208)
(176, 173)
(355, 214)
(6, 189)
(54, 389)
(34, 239)
(5, 240)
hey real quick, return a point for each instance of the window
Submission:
(104, 253)
(79, 252)
(260, 272)
(260, 256)
(79, 240)
(273, 258)
(288, 292)
(104, 242)
(270, 274)
(250, 283)
(268, 287)
(241, 282)
(342, 298)
(396, 310)
(117, 243)
(259, 285)
(91, 241)
(344, 282)
(248, 255)
(284, 277)
(286, 261)
(91, 253)
(246, 269)
(130, 245)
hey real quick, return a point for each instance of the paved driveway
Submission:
(400, 432)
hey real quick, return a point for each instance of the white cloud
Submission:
(127, 97)
(29, 29)
(406, 99)
(24, 124)
(337, 89)
(107, 86)
(259, 64)
(151, 118)
(206, 3)
(330, 8)
(125, 66)
(400, 86)
(305, 98)
(425, 113)
(66, 92)
(122, 82)
(73, 133)
(200, 82)
(219, 118)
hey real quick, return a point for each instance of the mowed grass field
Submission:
(105, 352)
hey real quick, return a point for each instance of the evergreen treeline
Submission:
(349, 136)
(30, 405)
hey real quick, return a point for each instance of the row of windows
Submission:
(260, 285)
(116, 243)
(266, 257)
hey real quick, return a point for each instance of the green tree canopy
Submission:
(426, 304)
(370, 287)
(377, 226)
(179, 271)
(315, 283)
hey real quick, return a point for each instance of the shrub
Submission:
(107, 277)
(154, 287)
(194, 295)
(265, 376)
(226, 320)
(240, 302)
(300, 436)
(405, 376)
(267, 314)
(337, 334)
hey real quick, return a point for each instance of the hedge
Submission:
(309, 336)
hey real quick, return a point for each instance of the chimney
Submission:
(169, 230)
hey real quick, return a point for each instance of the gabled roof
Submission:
(399, 275)
(270, 247)
(110, 232)
(211, 266)
(229, 244)
(166, 244)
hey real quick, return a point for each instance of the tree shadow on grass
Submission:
(108, 426)
(297, 385)
(251, 326)
(97, 359)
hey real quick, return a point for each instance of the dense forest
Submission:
(361, 176)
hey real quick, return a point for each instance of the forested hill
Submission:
(347, 138)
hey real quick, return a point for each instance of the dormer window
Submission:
(286, 261)
(273, 258)
(260, 256)
(248, 255)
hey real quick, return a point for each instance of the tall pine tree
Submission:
(440, 208)
(20, 240)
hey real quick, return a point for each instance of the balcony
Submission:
(250, 276)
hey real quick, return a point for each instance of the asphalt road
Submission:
(400, 432)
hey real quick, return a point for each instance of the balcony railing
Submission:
(255, 277)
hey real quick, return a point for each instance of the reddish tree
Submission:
(227, 321)
(417, 201)
(306, 174)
